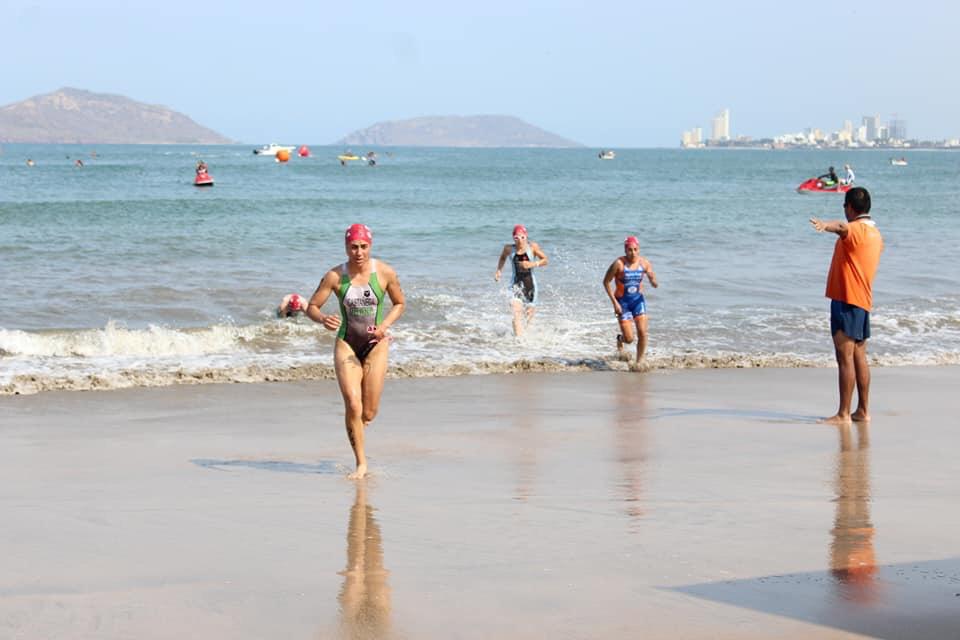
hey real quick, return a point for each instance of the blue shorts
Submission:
(852, 320)
(632, 307)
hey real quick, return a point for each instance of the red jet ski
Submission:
(818, 185)
(203, 179)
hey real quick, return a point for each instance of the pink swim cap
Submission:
(359, 232)
(631, 241)
(295, 304)
(519, 230)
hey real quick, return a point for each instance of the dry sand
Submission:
(673, 504)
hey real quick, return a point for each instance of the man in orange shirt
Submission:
(850, 289)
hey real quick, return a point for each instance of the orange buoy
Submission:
(283, 155)
(303, 151)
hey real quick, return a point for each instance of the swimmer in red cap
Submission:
(524, 256)
(360, 350)
(291, 305)
(628, 303)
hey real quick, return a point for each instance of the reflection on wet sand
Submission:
(524, 406)
(852, 561)
(365, 595)
(631, 439)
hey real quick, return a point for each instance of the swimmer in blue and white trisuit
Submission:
(523, 256)
(361, 348)
(628, 302)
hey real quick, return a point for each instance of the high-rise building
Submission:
(692, 139)
(872, 123)
(721, 126)
(897, 129)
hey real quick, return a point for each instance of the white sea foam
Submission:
(116, 340)
(462, 343)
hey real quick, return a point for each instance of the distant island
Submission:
(457, 131)
(77, 116)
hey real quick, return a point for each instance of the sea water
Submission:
(121, 273)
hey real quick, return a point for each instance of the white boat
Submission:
(272, 149)
(902, 162)
(607, 154)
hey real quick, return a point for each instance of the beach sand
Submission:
(672, 504)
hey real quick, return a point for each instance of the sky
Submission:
(609, 74)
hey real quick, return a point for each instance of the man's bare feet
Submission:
(360, 473)
(860, 416)
(640, 367)
(837, 420)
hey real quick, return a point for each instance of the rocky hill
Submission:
(78, 116)
(457, 131)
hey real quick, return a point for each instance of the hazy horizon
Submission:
(610, 74)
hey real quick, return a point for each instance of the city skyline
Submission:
(872, 131)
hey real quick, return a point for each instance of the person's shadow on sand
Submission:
(365, 595)
(282, 466)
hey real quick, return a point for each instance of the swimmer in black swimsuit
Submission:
(361, 348)
(524, 256)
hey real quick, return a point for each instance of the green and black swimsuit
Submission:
(361, 311)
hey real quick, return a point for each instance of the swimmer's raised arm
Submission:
(326, 287)
(651, 276)
(399, 303)
(503, 258)
(612, 272)
(538, 253)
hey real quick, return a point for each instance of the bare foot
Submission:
(640, 367)
(860, 416)
(359, 473)
(837, 420)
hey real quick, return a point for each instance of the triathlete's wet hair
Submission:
(859, 200)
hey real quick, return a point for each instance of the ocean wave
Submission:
(452, 338)
(114, 339)
(261, 373)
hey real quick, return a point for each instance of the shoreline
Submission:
(678, 503)
(31, 384)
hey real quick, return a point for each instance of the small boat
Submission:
(902, 162)
(272, 149)
(203, 179)
(607, 154)
(816, 185)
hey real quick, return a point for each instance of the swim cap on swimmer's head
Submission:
(295, 304)
(359, 232)
(631, 241)
(519, 230)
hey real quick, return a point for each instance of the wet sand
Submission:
(673, 504)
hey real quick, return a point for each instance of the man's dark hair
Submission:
(859, 200)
